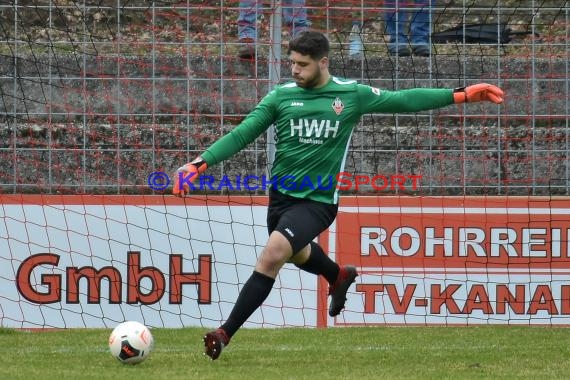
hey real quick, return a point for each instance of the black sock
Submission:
(254, 292)
(320, 264)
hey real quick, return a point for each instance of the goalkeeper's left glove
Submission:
(478, 93)
(188, 173)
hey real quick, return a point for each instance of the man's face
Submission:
(305, 70)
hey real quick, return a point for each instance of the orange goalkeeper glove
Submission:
(478, 93)
(187, 174)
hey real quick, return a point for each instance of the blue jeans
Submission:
(418, 21)
(294, 15)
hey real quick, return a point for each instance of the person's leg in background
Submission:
(396, 24)
(295, 17)
(247, 27)
(420, 28)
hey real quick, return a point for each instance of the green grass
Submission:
(489, 352)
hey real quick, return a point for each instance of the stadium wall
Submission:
(92, 113)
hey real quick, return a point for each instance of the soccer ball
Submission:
(131, 342)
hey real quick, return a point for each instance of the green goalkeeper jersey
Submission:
(313, 127)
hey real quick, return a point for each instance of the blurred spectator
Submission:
(294, 16)
(409, 27)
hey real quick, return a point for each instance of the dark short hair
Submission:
(311, 43)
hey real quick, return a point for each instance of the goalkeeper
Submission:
(314, 116)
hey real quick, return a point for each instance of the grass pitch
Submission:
(486, 352)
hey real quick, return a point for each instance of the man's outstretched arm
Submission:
(420, 99)
(249, 129)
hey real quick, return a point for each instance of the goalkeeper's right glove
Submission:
(186, 174)
(478, 93)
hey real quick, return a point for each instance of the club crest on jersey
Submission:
(337, 106)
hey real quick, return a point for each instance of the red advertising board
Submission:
(453, 259)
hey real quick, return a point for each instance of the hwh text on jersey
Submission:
(314, 128)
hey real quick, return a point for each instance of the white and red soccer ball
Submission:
(131, 342)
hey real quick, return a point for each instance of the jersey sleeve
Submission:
(374, 99)
(255, 123)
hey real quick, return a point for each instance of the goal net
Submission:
(452, 216)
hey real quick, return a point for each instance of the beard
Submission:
(308, 82)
